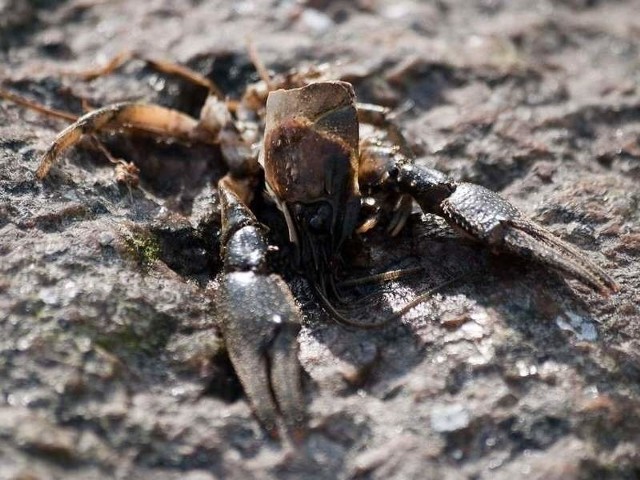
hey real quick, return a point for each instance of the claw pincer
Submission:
(259, 320)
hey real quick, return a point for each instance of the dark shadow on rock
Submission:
(223, 383)
(173, 172)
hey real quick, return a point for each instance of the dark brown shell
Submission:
(311, 143)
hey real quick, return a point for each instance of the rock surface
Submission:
(111, 365)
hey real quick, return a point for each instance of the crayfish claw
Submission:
(260, 323)
(259, 319)
(489, 218)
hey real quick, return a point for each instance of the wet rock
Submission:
(111, 364)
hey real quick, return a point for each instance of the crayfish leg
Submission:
(148, 118)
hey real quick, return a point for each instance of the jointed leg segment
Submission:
(148, 118)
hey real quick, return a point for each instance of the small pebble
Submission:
(449, 418)
(583, 328)
(316, 20)
(106, 239)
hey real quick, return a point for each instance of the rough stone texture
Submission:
(110, 362)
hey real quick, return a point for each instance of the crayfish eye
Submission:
(320, 221)
(313, 217)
